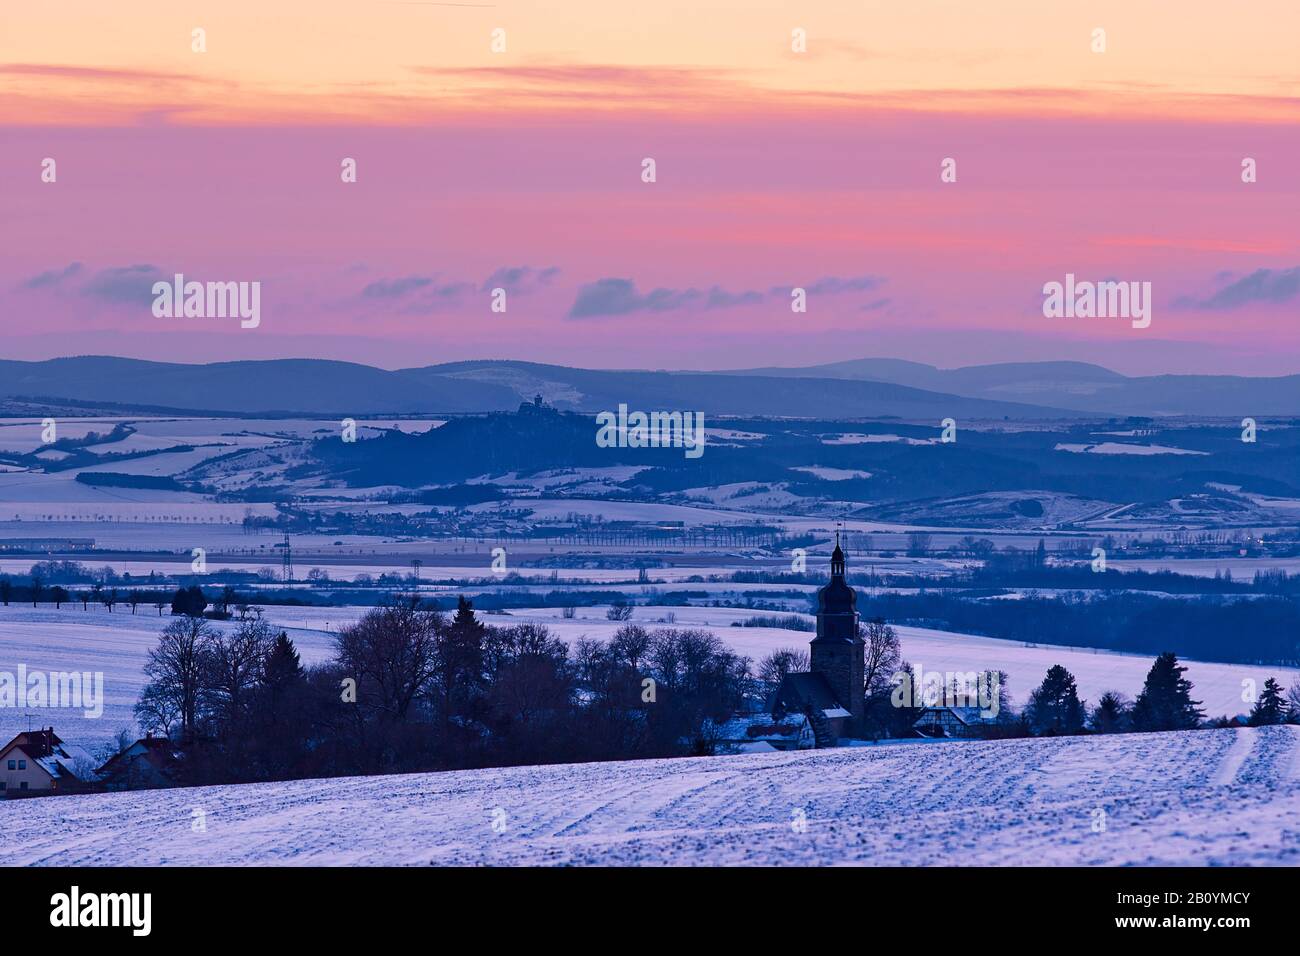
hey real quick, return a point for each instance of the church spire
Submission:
(837, 558)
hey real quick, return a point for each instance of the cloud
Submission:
(61, 71)
(586, 78)
(415, 295)
(118, 285)
(520, 279)
(606, 297)
(52, 279)
(1270, 286)
(124, 285)
(833, 285)
(620, 297)
(395, 288)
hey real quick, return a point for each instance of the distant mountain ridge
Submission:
(860, 388)
(1078, 386)
(279, 385)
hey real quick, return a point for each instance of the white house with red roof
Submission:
(39, 761)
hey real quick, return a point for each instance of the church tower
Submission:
(837, 652)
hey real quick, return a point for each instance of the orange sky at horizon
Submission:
(775, 168)
(394, 62)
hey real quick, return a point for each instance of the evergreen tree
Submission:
(283, 666)
(283, 678)
(189, 601)
(1271, 708)
(1111, 715)
(1054, 708)
(462, 658)
(1166, 699)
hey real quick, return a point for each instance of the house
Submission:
(832, 694)
(760, 733)
(40, 762)
(148, 764)
(810, 695)
(958, 722)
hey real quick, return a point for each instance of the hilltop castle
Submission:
(832, 694)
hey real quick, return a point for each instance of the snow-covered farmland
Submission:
(1123, 448)
(833, 474)
(94, 640)
(1243, 569)
(1221, 797)
(856, 438)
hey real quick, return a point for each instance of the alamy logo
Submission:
(1102, 300)
(80, 689)
(949, 689)
(626, 429)
(208, 300)
(134, 910)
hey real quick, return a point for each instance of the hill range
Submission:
(862, 388)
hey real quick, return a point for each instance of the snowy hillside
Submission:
(1196, 798)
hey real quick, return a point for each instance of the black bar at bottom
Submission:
(335, 905)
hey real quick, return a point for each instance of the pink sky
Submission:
(767, 178)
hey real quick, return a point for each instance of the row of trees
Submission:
(1165, 703)
(409, 688)
(192, 600)
(1054, 707)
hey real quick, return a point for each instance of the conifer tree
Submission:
(1166, 699)
(1111, 715)
(1271, 708)
(1054, 708)
(283, 665)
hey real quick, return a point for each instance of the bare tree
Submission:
(918, 544)
(110, 749)
(175, 669)
(392, 654)
(233, 665)
(156, 710)
(629, 645)
(38, 584)
(883, 654)
(775, 666)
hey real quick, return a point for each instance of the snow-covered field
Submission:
(1242, 569)
(1222, 797)
(1122, 448)
(117, 644)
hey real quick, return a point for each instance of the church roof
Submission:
(806, 691)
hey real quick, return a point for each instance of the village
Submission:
(659, 692)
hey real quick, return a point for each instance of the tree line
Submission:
(410, 688)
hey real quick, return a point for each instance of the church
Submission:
(832, 694)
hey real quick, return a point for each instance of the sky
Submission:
(502, 146)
